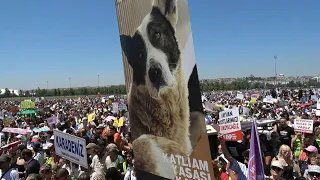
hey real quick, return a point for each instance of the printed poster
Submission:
(240, 96)
(164, 103)
(230, 125)
(303, 125)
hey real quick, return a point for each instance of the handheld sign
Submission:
(240, 96)
(230, 126)
(70, 147)
(164, 98)
(303, 125)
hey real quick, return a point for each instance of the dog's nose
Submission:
(155, 75)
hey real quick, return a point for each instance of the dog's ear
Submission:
(126, 43)
(169, 10)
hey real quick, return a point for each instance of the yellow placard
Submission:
(120, 123)
(253, 101)
(116, 122)
(91, 117)
(27, 105)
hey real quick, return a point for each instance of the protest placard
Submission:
(246, 111)
(269, 99)
(303, 125)
(52, 120)
(314, 98)
(230, 126)
(240, 96)
(122, 106)
(70, 147)
(174, 98)
(115, 107)
(27, 104)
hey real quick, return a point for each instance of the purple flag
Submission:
(255, 165)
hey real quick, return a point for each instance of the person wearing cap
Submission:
(276, 171)
(96, 165)
(290, 168)
(7, 172)
(38, 153)
(312, 173)
(310, 151)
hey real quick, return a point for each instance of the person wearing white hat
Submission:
(276, 170)
(312, 173)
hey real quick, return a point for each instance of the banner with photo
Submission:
(164, 103)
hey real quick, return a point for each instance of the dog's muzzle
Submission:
(155, 75)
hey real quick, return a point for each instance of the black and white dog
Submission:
(158, 98)
(153, 51)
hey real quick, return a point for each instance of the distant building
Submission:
(14, 91)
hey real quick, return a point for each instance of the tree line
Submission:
(238, 84)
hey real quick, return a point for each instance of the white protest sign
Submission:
(103, 100)
(246, 111)
(1, 115)
(318, 104)
(70, 147)
(230, 126)
(269, 99)
(240, 96)
(122, 106)
(314, 98)
(303, 125)
(115, 107)
(318, 112)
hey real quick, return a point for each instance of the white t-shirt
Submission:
(129, 175)
(12, 174)
(96, 165)
(116, 164)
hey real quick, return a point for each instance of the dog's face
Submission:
(153, 51)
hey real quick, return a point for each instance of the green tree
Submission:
(27, 93)
(7, 92)
(20, 92)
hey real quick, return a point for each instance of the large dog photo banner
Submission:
(164, 100)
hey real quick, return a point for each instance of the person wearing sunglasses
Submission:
(313, 172)
(276, 170)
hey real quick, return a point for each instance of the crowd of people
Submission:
(31, 155)
(286, 153)
(29, 151)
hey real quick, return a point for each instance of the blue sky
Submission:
(56, 40)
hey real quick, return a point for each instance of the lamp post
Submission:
(98, 80)
(275, 66)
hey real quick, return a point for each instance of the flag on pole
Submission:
(255, 165)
